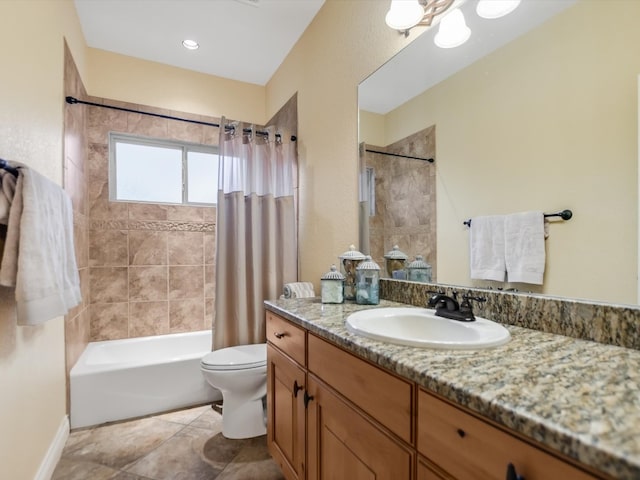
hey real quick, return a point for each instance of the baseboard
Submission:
(54, 452)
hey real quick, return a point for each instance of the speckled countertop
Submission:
(578, 397)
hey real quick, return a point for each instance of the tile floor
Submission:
(181, 445)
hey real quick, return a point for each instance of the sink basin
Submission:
(420, 327)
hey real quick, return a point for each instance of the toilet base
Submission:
(243, 420)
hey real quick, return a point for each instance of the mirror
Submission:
(536, 116)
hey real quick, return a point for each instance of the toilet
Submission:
(240, 373)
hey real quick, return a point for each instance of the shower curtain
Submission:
(256, 240)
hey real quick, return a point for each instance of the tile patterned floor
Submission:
(182, 445)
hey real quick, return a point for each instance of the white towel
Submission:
(299, 290)
(39, 257)
(486, 248)
(524, 247)
(7, 193)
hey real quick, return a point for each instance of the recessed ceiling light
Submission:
(190, 44)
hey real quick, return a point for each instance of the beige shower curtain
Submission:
(256, 240)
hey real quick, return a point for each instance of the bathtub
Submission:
(120, 379)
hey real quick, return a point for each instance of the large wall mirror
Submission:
(538, 111)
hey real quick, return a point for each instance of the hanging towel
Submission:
(299, 290)
(39, 257)
(7, 193)
(486, 252)
(524, 247)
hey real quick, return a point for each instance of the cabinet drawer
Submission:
(382, 395)
(288, 337)
(469, 448)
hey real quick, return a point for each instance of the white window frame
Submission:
(186, 147)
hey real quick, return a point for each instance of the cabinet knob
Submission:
(296, 388)
(461, 433)
(512, 474)
(279, 335)
(307, 399)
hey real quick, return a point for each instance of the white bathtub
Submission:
(120, 379)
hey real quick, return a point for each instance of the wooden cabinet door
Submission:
(427, 471)
(342, 444)
(286, 428)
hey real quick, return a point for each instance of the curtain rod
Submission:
(430, 160)
(73, 100)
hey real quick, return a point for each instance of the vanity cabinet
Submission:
(467, 447)
(428, 471)
(348, 418)
(333, 415)
(286, 380)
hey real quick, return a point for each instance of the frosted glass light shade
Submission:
(404, 14)
(453, 30)
(496, 8)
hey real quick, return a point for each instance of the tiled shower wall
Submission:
(405, 199)
(151, 266)
(76, 322)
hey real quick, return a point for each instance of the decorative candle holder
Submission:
(396, 263)
(332, 286)
(349, 261)
(419, 270)
(368, 282)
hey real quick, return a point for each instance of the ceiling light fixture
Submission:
(403, 15)
(453, 30)
(496, 8)
(190, 44)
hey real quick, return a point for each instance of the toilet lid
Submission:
(236, 358)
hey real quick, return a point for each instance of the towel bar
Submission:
(564, 214)
(4, 165)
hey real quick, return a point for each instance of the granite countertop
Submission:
(578, 397)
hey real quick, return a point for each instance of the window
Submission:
(371, 190)
(161, 171)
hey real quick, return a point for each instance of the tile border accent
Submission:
(156, 225)
(172, 226)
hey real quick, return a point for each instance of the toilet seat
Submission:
(241, 357)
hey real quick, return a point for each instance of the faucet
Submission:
(443, 302)
(448, 307)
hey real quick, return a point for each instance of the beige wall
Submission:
(371, 128)
(548, 122)
(149, 83)
(32, 359)
(345, 43)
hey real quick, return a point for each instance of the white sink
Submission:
(420, 327)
